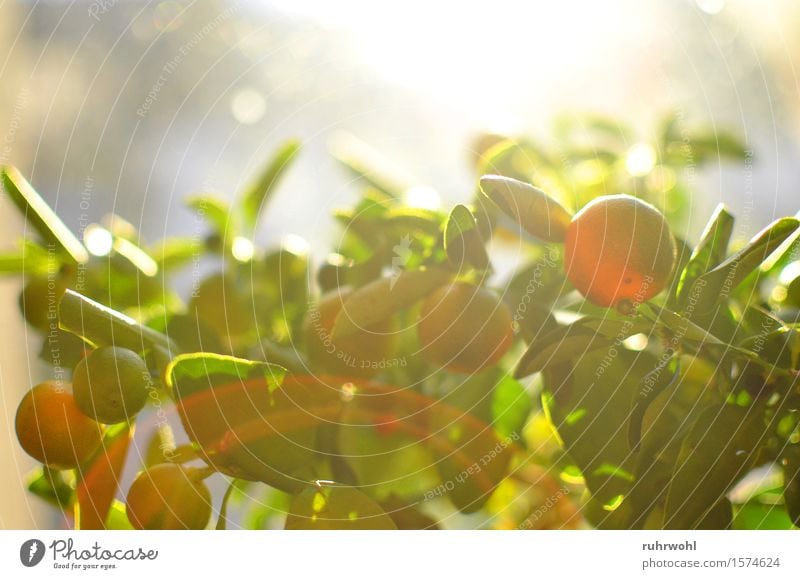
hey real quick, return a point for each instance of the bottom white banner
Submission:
(355, 554)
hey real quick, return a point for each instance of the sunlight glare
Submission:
(98, 240)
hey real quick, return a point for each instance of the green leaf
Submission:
(681, 326)
(216, 211)
(330, 506)
(534, 210)
(378, 300)
(587, 400)
(364, 162)
(716, 285)
(718, 450)
(664, 375)
(462, 241)
(41, 216)
(379, 438)
(558, 346)
(511, 406)
(192, 373)
(791, 482)
(710, 250)
(175, 252)
(50, 486)
(118, 518)
(101, 325)
(250, 425)
(759, 516)
(32, 259)
(258, 195)
(99, 481)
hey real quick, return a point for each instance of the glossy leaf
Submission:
(364, 162)
(190, 373)
(379, 438)
(50, 486)
(716, 453)
(100, 480)
(101, 325)
(710, 250)
(682, 326)
(534, 210)
(462, 241)
(258, 195)
(791, 482)
(759, 516)
(41, 216)
(329, 506)
(216, 211)
(251, 425)
(175, 252)
(716, 285)
(588, 403)
(384, 297)
(558, 346)
(511, 407)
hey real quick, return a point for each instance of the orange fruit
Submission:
(110, 384)
(618, 250)
(52, 429)
(464, 328)
(168, 497)
(361, 355)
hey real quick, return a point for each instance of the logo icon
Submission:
(402, 255)
(32, 552)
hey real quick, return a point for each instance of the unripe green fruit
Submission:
(168, 497)
(110, 384)
(38, 302)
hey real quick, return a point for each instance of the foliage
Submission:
(660, 412)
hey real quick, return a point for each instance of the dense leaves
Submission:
(650, 416)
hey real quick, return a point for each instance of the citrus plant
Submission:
(616, 376)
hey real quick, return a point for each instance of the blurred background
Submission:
(129, 106)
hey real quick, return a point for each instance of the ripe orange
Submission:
(464, 328)
(52, 429)
(361, 355)
(166, 497)
(619, 249)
